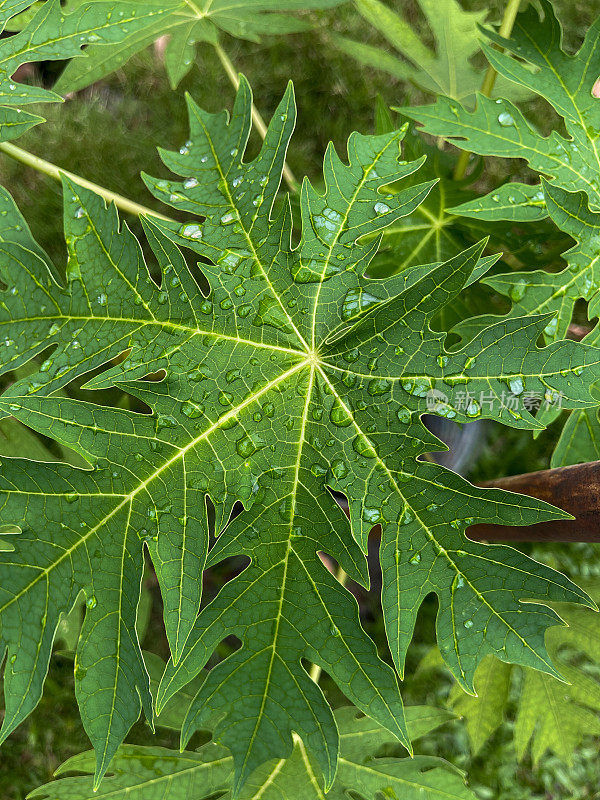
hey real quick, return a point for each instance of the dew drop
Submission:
(378, 386)
(380, 208)
(505, 119)
(516, 386)
(404, 415)
(371, 515)
(248, 445)
(363, 447)
(339, 415)
(192, 410)
(339, 469)
(191, 231)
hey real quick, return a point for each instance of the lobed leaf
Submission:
(187, 24)
(551, 715)
(293, 376)
(148, 772)
(445, 68)
(53, 34)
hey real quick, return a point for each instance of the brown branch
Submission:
(575, 489)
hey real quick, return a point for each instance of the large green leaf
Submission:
(293, 376)
(552, 715)
(188, 23)
(52, 34)
(446, 68)
(144, 773)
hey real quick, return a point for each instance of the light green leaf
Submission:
(446, 68)
(551, 714)
(186, 23)
(294, 375)
(145, 773)
(484, 712)
(53, 34)
(579, 440)
(515, 202)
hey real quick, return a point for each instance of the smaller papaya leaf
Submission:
(483, 712)
(512, 202)
(551, 715)
(187, 24)
(139, 773)
(540, 291)
(532, 58)
(53, 34)
(445, 68)
(579, 440)
(432, 233)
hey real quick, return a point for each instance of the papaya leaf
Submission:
(187, 24)
(143, 772)
(540, 291)
(569, 188)
(432, 233)
(446, 68)
(294, 375)
(52, 34)
(484, 712)
(533, 58)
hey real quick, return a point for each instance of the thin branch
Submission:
(48, 168)
(575, 489)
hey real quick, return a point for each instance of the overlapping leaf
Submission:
(144, 773)
(445, 69)
(551, 715)
(535, 60)
(433, 233)
(187, 24)
(52, 34)
(293, 376)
